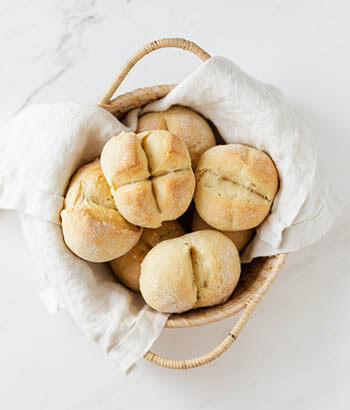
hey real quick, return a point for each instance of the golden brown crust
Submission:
(88, 183)
(92, 226)
(123, 160)
(239, 238)
(173, 188)
(236, 185)
(159, 187)
(127, 267)
(138, 204)
(186, 124)
(165, 152)
(195, 270)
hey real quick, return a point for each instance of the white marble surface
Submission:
(294, 354)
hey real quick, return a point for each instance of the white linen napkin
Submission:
(248, 111)
(40, 149)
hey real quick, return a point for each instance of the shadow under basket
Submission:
(256, 277)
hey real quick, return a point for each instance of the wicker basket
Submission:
(256, 277)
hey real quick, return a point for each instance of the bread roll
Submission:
(198, 269)
(127, 267)
(92, 227)
(239, 238)
(236, 185)
(150, 176)
(186, 124)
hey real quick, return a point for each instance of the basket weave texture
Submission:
(256, 277)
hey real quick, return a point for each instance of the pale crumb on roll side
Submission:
(92, 227)
(195, 270)
(127, 268)
(186, 124)
(236, 186)
(239, 238)
(150, 176)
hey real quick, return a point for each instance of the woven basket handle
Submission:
(225, 344)
(148, 48)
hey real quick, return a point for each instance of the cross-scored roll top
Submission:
(150, 176)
